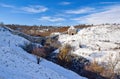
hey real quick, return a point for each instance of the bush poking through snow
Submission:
(28, 47)
(106, 70)
(113, 62)
(39, 52)
(95, 67)
(63, 56)
(64, 52)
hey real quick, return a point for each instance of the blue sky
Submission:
(59, 12)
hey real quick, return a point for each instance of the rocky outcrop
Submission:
(28, 37)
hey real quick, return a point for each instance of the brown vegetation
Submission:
(106, 70)
(39, 52)
(35, 30)
(64, 52)
(95, 67)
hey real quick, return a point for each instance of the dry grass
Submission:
(64, 52)
(39, 52)
(95, 67)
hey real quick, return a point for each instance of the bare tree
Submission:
(113, 61)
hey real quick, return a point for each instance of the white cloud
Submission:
(80, 11)
(65, 3)
(34, 9)
(51, 19)
(29, 9)
(109, 2)
(111, 15)
(6, 5)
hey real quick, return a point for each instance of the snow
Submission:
(15, 63)
(55, 33)
(72, 27)
(56, 51)
(94, 43)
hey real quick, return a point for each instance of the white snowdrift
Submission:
(97, 42)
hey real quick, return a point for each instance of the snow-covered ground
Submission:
(15, 63)
(95, 43)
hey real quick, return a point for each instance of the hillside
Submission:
(42, 30)
(99, 43)
(15, 63)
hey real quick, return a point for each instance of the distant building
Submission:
(72, 30)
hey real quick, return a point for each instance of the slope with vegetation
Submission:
(15, 63)
(101, 45)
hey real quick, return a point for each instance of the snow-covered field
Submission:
(15, 63)
(95, 43)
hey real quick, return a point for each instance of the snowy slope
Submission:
(95, 43)
(15, 63)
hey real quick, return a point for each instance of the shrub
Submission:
(95, 67)
(27, 47)
(64, 52)
(53, 41)
(112, 66)
(39, 52)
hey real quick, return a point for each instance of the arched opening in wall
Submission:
(72, 33)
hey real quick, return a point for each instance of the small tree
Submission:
(113, 61)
